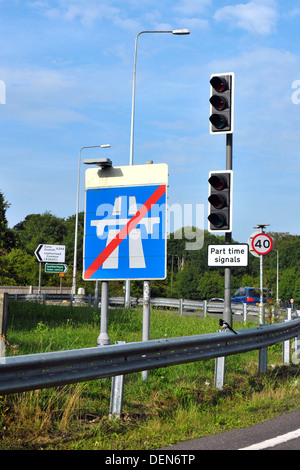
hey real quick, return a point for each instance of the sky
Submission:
(66, 74)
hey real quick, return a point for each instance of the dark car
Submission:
(250, 295)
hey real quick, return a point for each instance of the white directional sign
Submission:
(50, 253)
(125, 223)
(227, 255)
(262, 243)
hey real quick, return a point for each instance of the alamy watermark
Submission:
(296, 350)
(296, 93)
(124, 218)
(2, 92)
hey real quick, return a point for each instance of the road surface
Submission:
(280, 433)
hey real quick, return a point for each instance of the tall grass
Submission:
(176, 403)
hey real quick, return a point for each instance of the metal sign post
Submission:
(227, 275)
(261, 244)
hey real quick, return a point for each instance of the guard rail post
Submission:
(263, 357)
(296, 350)
(263, 361)
(286, 344)
(180, 306)
(220, 370)
(205, 308)
(245, 312)
(117, 393)
(3, 321)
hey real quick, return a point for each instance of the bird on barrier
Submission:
(224, 325)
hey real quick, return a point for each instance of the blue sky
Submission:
(68, 65)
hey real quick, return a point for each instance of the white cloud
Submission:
(192, 7)
(256, 17)
(87, 12)
(193, 23)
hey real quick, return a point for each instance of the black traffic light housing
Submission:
(220, 201)
(221, 103)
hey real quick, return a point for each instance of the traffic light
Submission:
(221, 103)
(220, 201)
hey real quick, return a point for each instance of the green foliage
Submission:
(188, 276)
(7, 237)
(18, 268)
(40, 228)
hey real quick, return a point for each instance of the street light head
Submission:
(102, 162)
(181, 31)
(105, 146)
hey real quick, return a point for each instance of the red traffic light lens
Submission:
(218, 182)
(219, 84)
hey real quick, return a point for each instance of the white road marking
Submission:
(275, 441)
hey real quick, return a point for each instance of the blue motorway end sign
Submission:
(125, 233)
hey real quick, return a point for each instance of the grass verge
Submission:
(176, 403)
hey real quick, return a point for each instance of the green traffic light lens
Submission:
(218, 220)
(219, 121)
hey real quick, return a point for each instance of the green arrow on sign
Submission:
(56, 268)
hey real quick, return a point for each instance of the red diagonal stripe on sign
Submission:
(131, 224)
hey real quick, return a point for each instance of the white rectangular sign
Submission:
(50, 253)
(227, 255)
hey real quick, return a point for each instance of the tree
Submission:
(40, 228)
(186, 283)
(287, 282)
(211, 284)
(18, 268)
(7, 236)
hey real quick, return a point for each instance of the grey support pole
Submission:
(227, 275)
(103, 338)
(146, 318)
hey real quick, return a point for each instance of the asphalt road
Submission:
(280, 433)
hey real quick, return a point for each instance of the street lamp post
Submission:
(174, 31)
(178, 32)
(76, 216)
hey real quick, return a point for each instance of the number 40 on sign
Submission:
(262, 243)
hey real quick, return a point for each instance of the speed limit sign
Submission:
(262, 243)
